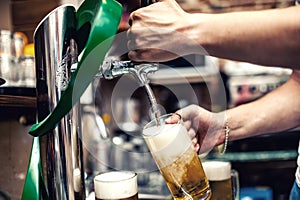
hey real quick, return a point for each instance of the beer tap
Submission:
(112, 67)
(140, 71)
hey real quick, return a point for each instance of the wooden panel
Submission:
(29, 12)
(26, 15)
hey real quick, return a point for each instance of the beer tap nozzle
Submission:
(112, 69)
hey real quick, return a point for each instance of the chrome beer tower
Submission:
(61, 150)
(56, 53)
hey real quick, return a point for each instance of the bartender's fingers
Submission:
(192, 133)
(188, 124)
(175, 118)
(139, 55)
(197, 148)
(134, 15)
(194, 138)
(150, 54)
(131, 46)
(196, 145)
(136, 39)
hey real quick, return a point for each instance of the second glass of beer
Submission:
(224, 181)
(179, 164)
(116, 185)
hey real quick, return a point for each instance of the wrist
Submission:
(221, 130)
(225, 135)
(198, 32)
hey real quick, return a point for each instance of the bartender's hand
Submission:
(159, 32)
(205, 128)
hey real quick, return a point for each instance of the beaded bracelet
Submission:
(227, 130)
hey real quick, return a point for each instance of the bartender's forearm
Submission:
(275, 112)
(269, 37)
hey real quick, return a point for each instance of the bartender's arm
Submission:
(277, 111)
(163, 31)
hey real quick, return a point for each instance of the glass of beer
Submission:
(179, 164)
(116, 185)
(223, 180)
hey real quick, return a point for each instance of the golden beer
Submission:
(221, 190)
(173, 152)
(185, 178)
(116, 185)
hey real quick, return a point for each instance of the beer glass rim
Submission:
(106, 188)
(131, 174)
(153, 122)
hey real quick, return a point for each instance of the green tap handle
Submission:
(85, 16)
(104, 26)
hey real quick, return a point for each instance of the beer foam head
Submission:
(217, 170)
(158, 137)
(115, 185)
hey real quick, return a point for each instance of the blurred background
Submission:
(263, 162)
